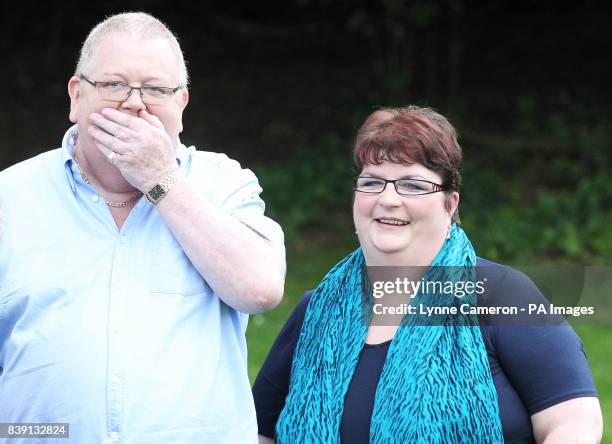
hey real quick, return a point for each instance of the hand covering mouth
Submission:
(392, 221)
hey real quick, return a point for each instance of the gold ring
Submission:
(110, 156)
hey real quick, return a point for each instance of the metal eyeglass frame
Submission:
(436, 187)
(95, 84)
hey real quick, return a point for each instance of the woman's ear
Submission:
(452, 202)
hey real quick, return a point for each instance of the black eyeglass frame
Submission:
(167, 90)
(436, 186)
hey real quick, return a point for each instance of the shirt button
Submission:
(116, 380)
(114, 435)
(116, 328)
(95, 198)
(122, 239)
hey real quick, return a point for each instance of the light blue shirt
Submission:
(114, 331)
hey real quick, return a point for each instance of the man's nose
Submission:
(133, 100)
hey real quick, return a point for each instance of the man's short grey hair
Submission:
(134, 23)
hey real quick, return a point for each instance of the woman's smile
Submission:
(400, 229)
(391, 222)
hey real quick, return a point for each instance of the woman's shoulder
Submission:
(504, 285)
(496, 273)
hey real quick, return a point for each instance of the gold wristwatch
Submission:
(159, 190)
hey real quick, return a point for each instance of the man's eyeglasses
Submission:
(120, 92)
(405, 187)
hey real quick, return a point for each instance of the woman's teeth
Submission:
(393, 221)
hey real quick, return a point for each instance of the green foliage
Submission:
(311, 191)
(546, 193)
(542, 191)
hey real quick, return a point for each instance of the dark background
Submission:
(283, 86)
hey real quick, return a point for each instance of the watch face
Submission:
(156, 192)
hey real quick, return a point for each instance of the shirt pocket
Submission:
(171, 270)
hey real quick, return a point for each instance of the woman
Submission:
(331, 377)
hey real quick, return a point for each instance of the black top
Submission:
(533, 367)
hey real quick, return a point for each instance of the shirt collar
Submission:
(68, 143)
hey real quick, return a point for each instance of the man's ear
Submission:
(74, 91)
(184, 100)
(184, 97)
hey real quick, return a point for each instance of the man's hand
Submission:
(144, 153)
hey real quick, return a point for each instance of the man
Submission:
(122, 314)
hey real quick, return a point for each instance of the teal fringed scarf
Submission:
(435, 386)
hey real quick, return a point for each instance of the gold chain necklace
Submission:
(110, 203)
